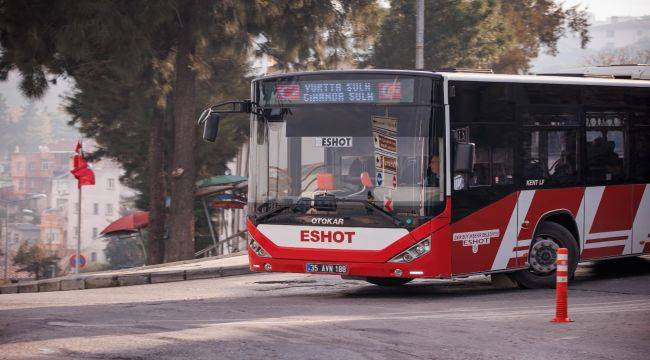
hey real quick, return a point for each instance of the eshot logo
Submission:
(326, 236)
(476, 238)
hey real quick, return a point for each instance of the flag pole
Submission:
(78, 252)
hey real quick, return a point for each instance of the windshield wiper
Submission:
(272, 212)
(373, 206)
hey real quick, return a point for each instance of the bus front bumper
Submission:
(415, 269)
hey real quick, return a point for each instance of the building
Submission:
(22, 232)
(101, 204)
(31, 172)
(618, 32)
(610, 35)
(52, 230)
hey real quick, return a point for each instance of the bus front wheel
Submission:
(542, 255)
(380, 281)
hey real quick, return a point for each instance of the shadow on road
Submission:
(615, 268)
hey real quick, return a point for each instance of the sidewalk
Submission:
(228, 265)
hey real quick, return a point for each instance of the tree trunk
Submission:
(180, 245)
(156, 228)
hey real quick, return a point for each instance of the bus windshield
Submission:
(355, 139)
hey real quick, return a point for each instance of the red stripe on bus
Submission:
(611, 238)
(616, 209)
(602, 252)
(548, 200)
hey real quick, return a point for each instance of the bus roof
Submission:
(468, 76)
(544, 79)
(352, 71)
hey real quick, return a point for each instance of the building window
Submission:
(45, 165)
(109, 209)
(31, 166)
(110, 184)
(93, 256)
(76, 233)
(76, 208)
(95, 232)
(21, 185)
(95, 208)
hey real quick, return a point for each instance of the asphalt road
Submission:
(287, 316)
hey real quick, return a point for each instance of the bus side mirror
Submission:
(210, 117)
(464, 158)
(211, 127)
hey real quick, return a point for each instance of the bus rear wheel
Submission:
(380, 281)
(542, 255)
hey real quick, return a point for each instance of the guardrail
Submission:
(220, 247)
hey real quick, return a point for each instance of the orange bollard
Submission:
(561, 288)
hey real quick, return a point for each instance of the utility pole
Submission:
(78, 252)
(5, 253)
(419, 36)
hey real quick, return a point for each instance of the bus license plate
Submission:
(327, 268)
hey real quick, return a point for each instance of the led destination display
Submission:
(339, 91)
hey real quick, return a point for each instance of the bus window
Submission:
(642, 163)
(481, 172)
(641, 141)
(550, 157)
(502, 169)
(605, 146)
(493, 163)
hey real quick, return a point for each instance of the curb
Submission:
(106, 281)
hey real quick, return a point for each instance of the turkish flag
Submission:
(81, 171)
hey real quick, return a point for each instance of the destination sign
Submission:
(339, 91)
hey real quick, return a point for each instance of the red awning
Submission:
(131, 222)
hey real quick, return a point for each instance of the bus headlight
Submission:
(413, 252)
(257, 249)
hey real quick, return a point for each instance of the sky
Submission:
(602, 9)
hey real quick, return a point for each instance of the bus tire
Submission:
(541, 274)
(381, 281)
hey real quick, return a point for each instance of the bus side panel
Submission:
(609, 214)
(641, 227)
(534, 205)
(477, 238)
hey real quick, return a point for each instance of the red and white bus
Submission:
(394, 175)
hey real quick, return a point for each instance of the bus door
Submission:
(640, 168)
(484, 203)
(550, 157)
(609, 205)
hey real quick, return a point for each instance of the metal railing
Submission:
(232, 244)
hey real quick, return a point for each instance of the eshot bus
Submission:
(390, 175)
